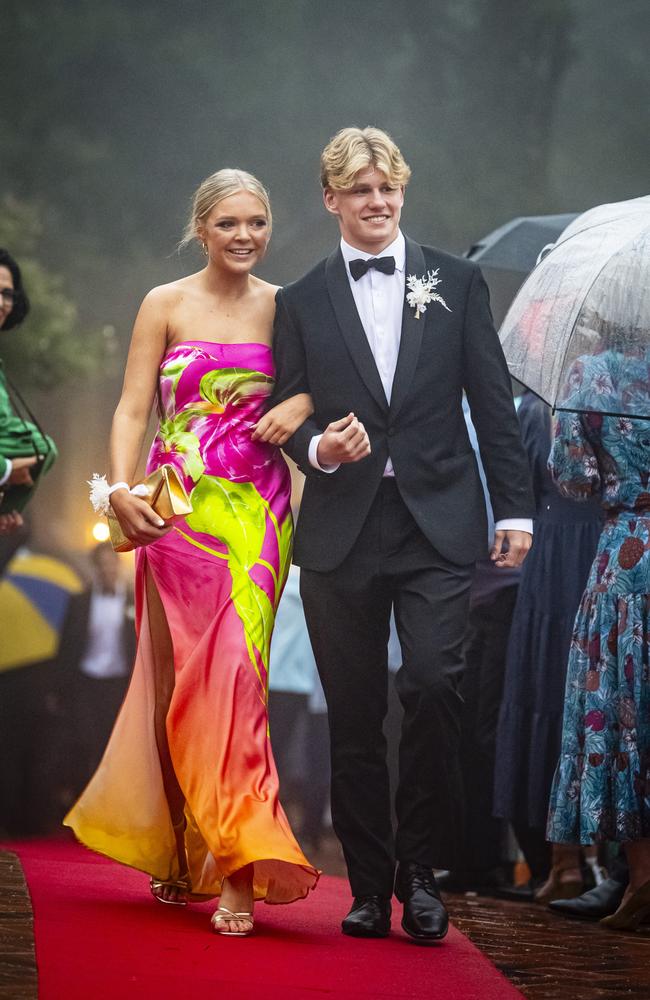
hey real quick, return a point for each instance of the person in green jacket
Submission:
(24, 450)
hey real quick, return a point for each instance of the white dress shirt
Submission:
(379, 299)
(104, 655)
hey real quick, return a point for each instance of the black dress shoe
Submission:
(599, 902)
(425, 917)
(482, 881)
(369, 917)
(520, 893)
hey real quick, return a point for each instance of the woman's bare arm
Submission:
(283, 420)
(148, 344)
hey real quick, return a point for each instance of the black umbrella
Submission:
(578, 331)
(515, 246)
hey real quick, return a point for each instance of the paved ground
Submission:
(549, 957)
(18, 978)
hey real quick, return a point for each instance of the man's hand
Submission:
(343, 440)
(510, 548)
(20, 471)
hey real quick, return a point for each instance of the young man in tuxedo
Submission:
(393, 514)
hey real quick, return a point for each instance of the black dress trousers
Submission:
(348, 612)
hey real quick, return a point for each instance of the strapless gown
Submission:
(219, 574)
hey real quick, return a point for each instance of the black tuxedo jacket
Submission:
(320, 347)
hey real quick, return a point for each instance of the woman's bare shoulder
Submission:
(171, 292)
(266, 292)
(265, 287)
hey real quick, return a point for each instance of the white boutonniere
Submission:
(422, 292)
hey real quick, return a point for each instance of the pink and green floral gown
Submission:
(219, 574)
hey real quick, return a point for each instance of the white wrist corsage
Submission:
(422, 292)
(100, 492)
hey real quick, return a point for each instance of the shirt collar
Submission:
(396, 249)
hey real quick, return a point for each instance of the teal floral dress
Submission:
(601, 788)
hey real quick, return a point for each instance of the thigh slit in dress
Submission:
(218, 575)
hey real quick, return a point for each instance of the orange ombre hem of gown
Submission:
(123, 812)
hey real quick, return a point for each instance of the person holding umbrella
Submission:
(578, 334)
(601, 788)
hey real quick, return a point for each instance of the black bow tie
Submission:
(359, 267)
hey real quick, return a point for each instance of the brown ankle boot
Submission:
(565, 877)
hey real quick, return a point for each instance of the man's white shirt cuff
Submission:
(8, 472)
(515, 524)
(313, 456)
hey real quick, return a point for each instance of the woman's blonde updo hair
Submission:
(355, 149)
(214, 189)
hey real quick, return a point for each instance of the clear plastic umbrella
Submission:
(578, 331)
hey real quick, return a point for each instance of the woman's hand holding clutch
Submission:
(283, 420)
(138, 520)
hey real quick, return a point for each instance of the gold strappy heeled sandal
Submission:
(181, 884)
(223, 916)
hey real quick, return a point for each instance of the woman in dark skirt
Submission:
(530, 721)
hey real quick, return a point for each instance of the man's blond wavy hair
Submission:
(354, 149)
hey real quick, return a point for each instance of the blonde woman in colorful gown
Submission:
(187, 790)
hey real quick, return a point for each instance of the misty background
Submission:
(112, 113)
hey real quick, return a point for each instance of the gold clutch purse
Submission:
(165, 493)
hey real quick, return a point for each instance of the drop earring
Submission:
(205, 248)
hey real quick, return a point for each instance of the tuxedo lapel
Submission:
(338, 286)
(411, 337)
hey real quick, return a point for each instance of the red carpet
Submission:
(100, 936)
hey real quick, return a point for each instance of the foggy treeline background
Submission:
(112, 112)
